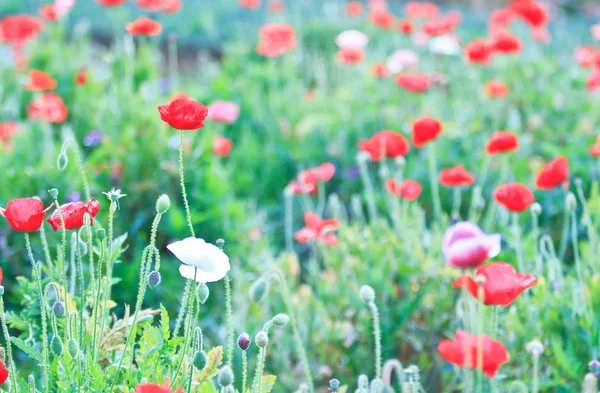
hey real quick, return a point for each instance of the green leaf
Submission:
(208, 387)
(28, 349)
(164, 322)
(214, 359)
(267, 383)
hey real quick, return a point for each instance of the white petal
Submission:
(495, 242)
(192, 273)
(198, 253)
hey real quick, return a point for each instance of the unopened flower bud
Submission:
(84, 236)
(262, 339)
(163, 203)
(258, 290)
(590, 383)
(334, 385)
(58, 308)
(571, 201)
(535, 209)
(87, 221)
(244, 341)
(535, 347)
(280, 320)
(62, 161)
(73, 348)
(220, 243)
(101, 233)
(1, 290)
(200, 360)
(53, 193)
(31, 383)
(225, 376)
(203, 293)
(154, 279)
(367, 294)
(56, 346)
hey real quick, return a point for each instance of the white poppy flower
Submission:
(352, 39)
(447, 45)
(202, 261)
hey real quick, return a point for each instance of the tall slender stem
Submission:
(188, 215)
(244, 370)
(435, 190)
(11, 362)
(377, 335)
(229, 321)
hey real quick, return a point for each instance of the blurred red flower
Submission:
(154, 388)
(515, 197)
(7, 130)
(534, 13)
(73, 214)
(385, 144)
(81, 77)
(166, 6)
(464, 351)
(308, 180)
(502, 284)
(379, 70)
(594, 150)
(3, 370)
(382, 19)
(25, 214)
(48, 107)
(18, 29)
(500, 19)
(478, 51)
(276, 7)
(553, 174)
(222, 146)
(496, 89)
(350, 55)
(409, 190)
(250, 4)
(586, 56)
(424, 130)
(416, 10)
(502, 142)
(50, 12)
(317, 229)
(184, 114)
(144, 26)
(354, 9)
(276, 39)
(223, 111)
(440, 26)
(416, 83)
(593, 82)
(456, 177)
(110, 3)
(405, 27)
(40, 81)
(504, 41)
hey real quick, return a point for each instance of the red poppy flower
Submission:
(553, 174)
(25, 214)
(155, 388)
(276, 39)
(18, 29)
(276, 7)
(250, 4)
(594, 150)
(504, 41)
(534, 13)
(3, 370)
(379, 70)
(222, 146)
(466, 348)
(593, 82)
(478, 51)
(73, 214)
(438, 27)
(500, 19)
(456, 177)
(172, 7)
(81, 77)
(385, 144)
(354, 9)
(50, 12)
(586, 56)
(317, 229)
(40, 81)
(416, 10)
(159, 5)
(496, 89)
(408, 189)
(382, 19)
(144, 26)
(424, 130)
(541, 34)
(48, 107)
(183, 114)
(350, 55)
(7, 130)
(309, 179)
(416, 83)
(515, 197)
(502, 142)
(110, 3)
(405, 27)
(502, 284)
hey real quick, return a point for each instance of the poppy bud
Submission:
(367, 294)
(535, 347)
(31, 383)
(87, 221)
(225, 376)
(58, 309)
(594, 366)
(590, 383)
(376, 385)
(258, 290)
(363, 382)
(384, 172)
(62, 161)
(334, 385)
(154, 279)
(84, 236)
(571, 202)
(101, 233)
(200, 360)
(244, 341)
(220, 243)
(387, 389)
(536, 209)
(163, 203)
(262, 339)
(56, 346)
(53, 193)
(73, 348)
(281, 320)
(1, 290)
(203, 293)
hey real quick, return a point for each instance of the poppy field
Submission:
(321, 196)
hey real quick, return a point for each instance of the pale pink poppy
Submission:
(595, 30)
(378, 5)
(401, 60)
(223, 112)
(351, 39)
(465, 245)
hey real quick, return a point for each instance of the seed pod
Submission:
(53, 193)
(101, 233)
(200, 360)
(56, 346)
(334, 385)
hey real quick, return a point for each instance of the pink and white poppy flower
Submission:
(465, 245)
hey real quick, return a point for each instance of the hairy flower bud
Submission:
(334, 385)
(200, 360)
(244, 341)
(535, 209)
(56, 346)
(203, 292)
(163, 203)
(280, 320)
(101, 233)
(84, 236)
(154, 279)
(62, 161)
(535, 347)
(58, 308)
(225, 376)
(261, 339)
(571, 201)
(73, 348)
(259, 290)
(367, 294)
(590, 383)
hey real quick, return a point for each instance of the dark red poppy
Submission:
(155, 388)
(464, 351)
(18, 29)
(502, 284)
(183, 114)
(144, 26)
(309, 179)
(222, 146)
(250, 4)
(3, 370)
(515, 197)
(379, 70)
(49, 107)
(408, 189)
(478, 51)
(25, 214)
(594, 149)
(385, 144)
(354, 9)
(504, 41)
(73, 213)
(416, 83)
(81, 77)
(416, 10)
(110, 3)
(553, 174)
(496, 89)
(534, 13)
(350, 55)
(424, 130)
(7, 130)
(405, 27)
(456, 177)
(317, 229)
(500, 19)
(40, 81)
(276, 39)
(382, 19)
(502, 142)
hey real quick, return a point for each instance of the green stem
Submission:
(377, 335)
(183, 308)
(369, 189)
(244, 370)
(517, 239)
(229, 320)
(435, 190)
(97, 301)
(45, 246)
(535, 384)
(456, 202)
(188, 333)
(188, 215)
(11, 362)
